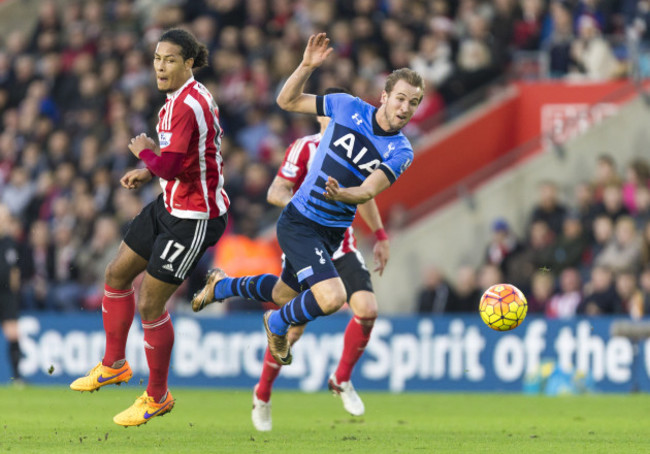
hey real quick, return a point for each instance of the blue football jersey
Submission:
(352, 147)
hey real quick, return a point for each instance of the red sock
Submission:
(118, 310)
(158, 343)
(354, 343)
(270, 371)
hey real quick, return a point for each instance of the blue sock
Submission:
(302, 309)
(258, 288)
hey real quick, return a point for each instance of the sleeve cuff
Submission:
(320, 106)
(389, 173)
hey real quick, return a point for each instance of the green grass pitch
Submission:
(57, 420)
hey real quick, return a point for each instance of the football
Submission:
(503, 307)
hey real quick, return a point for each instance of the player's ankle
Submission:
(119, 363)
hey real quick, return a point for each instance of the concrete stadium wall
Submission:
(458, 233)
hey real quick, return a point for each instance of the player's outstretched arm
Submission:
(292, 97)
(381, 250)
(355, 195)
(280, 192)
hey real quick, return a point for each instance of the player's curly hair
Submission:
(190, 47)
(407, 75)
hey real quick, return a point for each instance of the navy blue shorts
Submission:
(351, 268)
(308, 246)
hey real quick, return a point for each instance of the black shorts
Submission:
(354, 273)
(172, 246)
(8, 306)
(351, 269)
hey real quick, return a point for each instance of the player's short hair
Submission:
(330, 90)
(190, 47)
(407, 75)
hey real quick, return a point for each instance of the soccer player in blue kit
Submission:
(362, 153)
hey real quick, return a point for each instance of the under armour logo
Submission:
(391, 147)
(319, 253)
(356, 119)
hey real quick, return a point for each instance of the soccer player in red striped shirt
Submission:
(168, 237)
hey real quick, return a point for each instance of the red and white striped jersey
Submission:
(296, 163)
(188, 123)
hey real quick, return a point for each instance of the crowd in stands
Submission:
(78, 85)
(589, 255)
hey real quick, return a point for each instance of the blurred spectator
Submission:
(606, 174)
(502, 25)
(67, 290)
(595, 10)
(637, 177)
(592, 55)
(502, 246)
(564, 303)
(18, 192)
(433, 60)
(541, 292)
(477, 60)
(537, 254)
(434, 296)
(528, 27)
(603, 233)
(612, 202)
(548, 207)
(637, 20)
(623, 251)
(488, 276)
(37, 269)
(558, 42)
(93, 259)
(466, 293)
(629, 296)
(599, 293)
(571, 245)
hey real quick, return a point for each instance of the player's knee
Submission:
(367, 313)
(364, 305)
(332, 303)
(149, 309)
(114, 278)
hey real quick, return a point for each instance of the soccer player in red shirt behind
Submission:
(169, 236)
